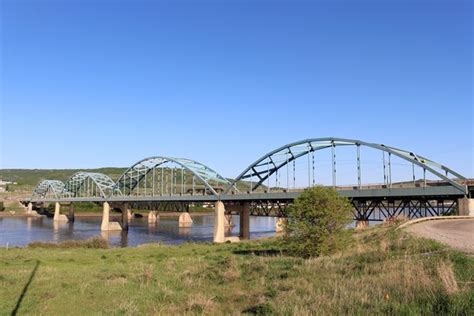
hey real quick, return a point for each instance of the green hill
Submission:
(27, 179)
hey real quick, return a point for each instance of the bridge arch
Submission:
(44, 188)
(271, 162)
(92, 182)
(138, 172)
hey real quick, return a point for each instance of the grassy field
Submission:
(384, 271)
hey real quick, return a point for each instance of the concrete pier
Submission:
(153, 217)
(185, 220)
(219, 222)
(29, 209)
(58, 217)
(71, 216)
(466, 207)
(280, 225)
(361, 224)
(124, 208)
(106, 224)
(245, 221)
(228, 221)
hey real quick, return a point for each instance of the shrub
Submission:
(2, 208)
(317, 222)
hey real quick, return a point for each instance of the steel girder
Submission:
(54, 187)
(133, 175)
(271, 162)
(78, 180)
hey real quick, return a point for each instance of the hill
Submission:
(27, 179)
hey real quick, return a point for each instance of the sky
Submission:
(106, 83)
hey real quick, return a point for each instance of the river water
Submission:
(15, 231)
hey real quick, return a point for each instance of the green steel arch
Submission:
(133, 175)
(55, 187)
(262, 170)
(77, 181)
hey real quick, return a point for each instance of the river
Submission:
(20, 231)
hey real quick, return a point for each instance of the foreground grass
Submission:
(383, 272)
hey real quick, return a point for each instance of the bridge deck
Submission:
(393, 193)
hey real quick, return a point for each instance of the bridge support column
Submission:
(185, 220)
(280, 225)
(228, 222)
(129, 214)
(58, 217)
(29, 209)
(71, 216)
(245, 221)
(466, 207)
(219, 222)
(153, 217)
(124, 208)
(362, 223)
(106, 224)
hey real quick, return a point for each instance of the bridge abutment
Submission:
(466, 207)
(58, 217)
(245, 221)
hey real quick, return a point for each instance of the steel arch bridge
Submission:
(48, 189)
(167, 175)
(89, 184)
(272, 162)
(157, 180)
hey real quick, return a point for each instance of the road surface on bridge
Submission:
(457, 233)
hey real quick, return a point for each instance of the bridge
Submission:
(381, 182)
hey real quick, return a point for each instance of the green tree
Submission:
(317, 222)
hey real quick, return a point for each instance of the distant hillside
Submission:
(28, 178)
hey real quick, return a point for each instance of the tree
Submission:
(317, 222)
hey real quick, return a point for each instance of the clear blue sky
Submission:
(106, 83)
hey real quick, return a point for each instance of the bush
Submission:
(317, 222)
(2, 208)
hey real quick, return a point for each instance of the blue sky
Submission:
(106, 83)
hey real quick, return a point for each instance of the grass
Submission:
(384, 271)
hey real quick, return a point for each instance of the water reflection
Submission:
(22, 231)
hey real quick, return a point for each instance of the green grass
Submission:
(384, 271)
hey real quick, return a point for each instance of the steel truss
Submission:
(48, 188)
(87, 184)
(285, 156)
(381, 209)
(169, 176)
(367, 209)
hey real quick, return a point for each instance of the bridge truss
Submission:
(272, 182)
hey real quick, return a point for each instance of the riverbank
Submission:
(384, 271)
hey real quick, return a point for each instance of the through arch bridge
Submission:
(381, 181)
